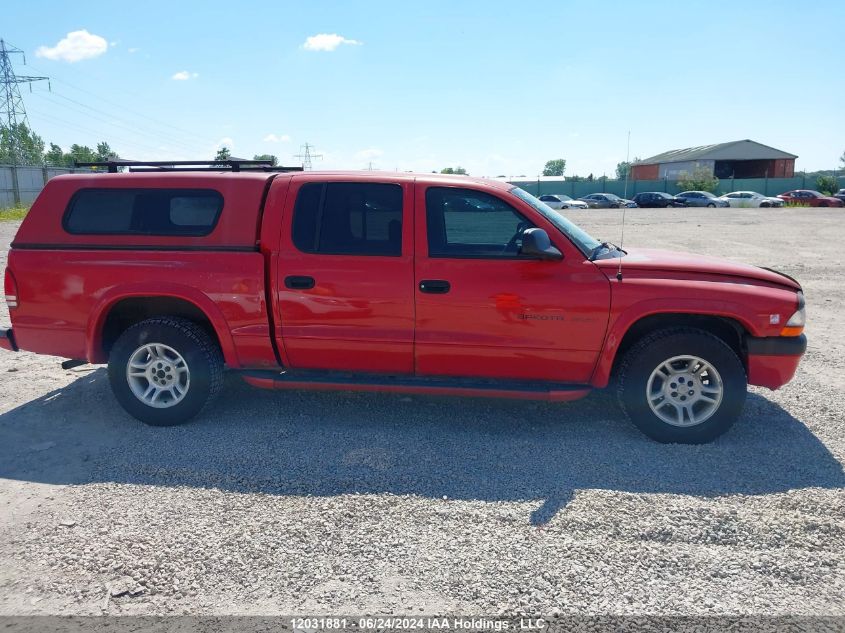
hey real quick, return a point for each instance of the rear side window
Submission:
(348, 218)
(186, 212)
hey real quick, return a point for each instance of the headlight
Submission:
(795, 325)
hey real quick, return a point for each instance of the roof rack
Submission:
(187, 165)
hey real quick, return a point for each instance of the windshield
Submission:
(564, 197)
(707, 194)
(583, 240)
(612, 196)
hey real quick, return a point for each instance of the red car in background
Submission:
(810, 198)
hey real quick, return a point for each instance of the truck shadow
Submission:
(322, 444)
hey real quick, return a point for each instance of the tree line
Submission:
(20, 145)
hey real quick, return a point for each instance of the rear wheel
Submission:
(682, 385)
(164, 370)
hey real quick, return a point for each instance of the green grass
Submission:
(13, 214)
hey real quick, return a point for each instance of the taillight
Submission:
(10, 289)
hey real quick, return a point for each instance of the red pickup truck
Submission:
(384, 282)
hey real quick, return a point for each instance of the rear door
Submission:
(483, 310)
(345, 274)
(734, 199)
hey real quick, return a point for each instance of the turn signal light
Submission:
(795, 325)
(10, 289)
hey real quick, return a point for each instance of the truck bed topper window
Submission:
(149, 211)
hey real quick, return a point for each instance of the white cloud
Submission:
(226, 141)
(184, 75)
(277, 138)
(327, 42)
(368, 154)
(132, 50)
(76, 46)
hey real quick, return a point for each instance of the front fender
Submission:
(651, 307)
(100, 311)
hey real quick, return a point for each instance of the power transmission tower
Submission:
(12, 111)
(307, 156)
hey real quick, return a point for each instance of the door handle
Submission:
(435, 286)
(296, 282)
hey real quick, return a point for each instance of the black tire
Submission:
(647, 354)
(711, 206)
(200, 353)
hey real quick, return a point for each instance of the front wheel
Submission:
(682, 385)
(711, 206)
(164, 370)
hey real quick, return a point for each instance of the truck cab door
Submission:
(345, 277)
(483, 309)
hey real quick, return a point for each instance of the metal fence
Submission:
(19, 184)
(576, 189)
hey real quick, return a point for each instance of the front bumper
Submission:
(773, 360)
(7, 341)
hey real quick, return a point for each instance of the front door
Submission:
(346, 278)
(483, 310)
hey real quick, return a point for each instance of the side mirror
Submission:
(536, 243)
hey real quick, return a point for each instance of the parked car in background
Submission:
(810, 198)
(840, 194)
(559, 201)
(657, 200)
(603, 201)
(701, 199)
(749, 199)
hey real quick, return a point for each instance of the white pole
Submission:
(628, 163)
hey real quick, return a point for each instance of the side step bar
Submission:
(428, 385)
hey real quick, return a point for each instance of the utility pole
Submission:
(306, 156)
(12, 111)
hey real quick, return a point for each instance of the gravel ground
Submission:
(276, 503)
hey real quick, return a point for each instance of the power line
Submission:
(12, 111)
(306, 156)
(66, 123)
(100, 98)
(118, 122)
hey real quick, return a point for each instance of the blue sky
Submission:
(497, 87)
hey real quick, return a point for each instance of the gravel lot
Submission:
(279, 503)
